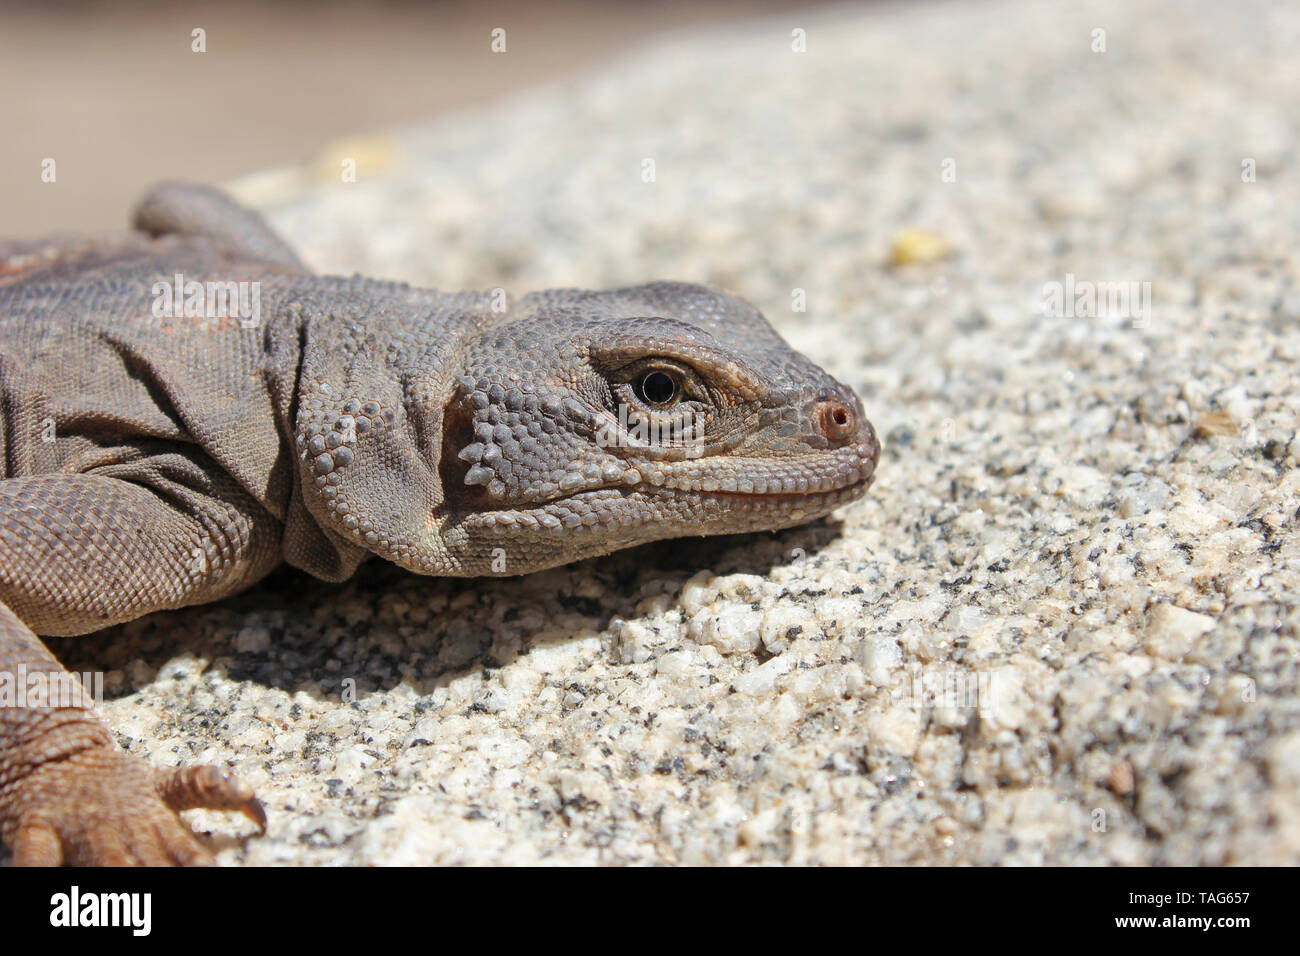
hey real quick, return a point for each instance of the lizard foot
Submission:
(101, 807)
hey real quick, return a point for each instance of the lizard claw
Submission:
(189, 788)
(101, 807)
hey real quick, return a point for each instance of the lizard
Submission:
(160, 448)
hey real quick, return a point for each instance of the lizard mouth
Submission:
(851, 489)
(694, 505)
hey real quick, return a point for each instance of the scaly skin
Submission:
(152, 461)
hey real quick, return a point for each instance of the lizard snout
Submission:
(838, 417)
(836, 420)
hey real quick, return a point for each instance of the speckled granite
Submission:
(1062, 628)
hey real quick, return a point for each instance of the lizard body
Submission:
(151, 459)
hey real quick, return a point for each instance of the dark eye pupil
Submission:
(658, 388)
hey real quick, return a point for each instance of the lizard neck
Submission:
(362, 371)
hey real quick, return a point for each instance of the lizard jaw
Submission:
(596, 522)
(713, 494)
(673, 509)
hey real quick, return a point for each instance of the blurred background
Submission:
(114, 93)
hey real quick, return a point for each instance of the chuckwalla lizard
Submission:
(161, 447)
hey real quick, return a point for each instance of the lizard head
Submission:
(586, 422)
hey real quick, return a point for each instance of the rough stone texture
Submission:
(1063, 626)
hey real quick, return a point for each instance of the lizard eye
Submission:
(659, 388)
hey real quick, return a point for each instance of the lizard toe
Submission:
(210, 788)
(37, 843)
(179, 847)
(102, 844)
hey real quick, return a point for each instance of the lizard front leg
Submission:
(192, 210)
(82, 551)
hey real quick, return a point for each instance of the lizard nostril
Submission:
(836, 420)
